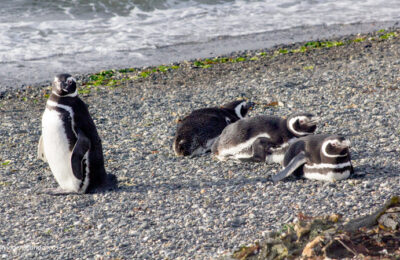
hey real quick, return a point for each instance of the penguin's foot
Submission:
(57, 191)
(110, 183)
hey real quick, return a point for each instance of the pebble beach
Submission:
(167, 207)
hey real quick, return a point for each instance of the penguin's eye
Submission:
(301, 121)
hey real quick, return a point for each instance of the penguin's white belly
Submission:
(329, 176)
(239, 151)
(327, 172)
(275, 157)
(202, 150)
(56, 149)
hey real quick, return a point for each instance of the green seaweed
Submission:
(359, 39)
(301, 49)
(221, 60)
(202, 64)
(105, 77)
(126, 70)
(5, 163)
(162, 68)
(388, 36)
(144, 74)
(311, 67)
(238, 59)
(107, 73)
(84, 90)
(324, 44)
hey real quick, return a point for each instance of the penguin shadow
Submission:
(56, 191)
(374, 172)
(145, 186)
(361, 172)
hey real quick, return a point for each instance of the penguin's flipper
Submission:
(295, 163)
(40, 150)
(81, 147)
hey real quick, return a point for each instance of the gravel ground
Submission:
(169, 207)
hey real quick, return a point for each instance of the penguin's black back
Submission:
(202, 125)
(84, 122)
(247, 128)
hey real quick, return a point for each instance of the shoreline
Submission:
(180, 208)
(222, 46)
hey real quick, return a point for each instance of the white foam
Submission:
(83, 36)
(103, 29)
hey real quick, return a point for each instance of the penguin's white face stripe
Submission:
(72, 94)
(68, 95)
(71, 79)
(329, 176)
(66, 108)
(57, 83)
(228, 121)
(238, 148)
(293, 120)
(328, 165)
(336, 143)
(55, 93)
(238, 108)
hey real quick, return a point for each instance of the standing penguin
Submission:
(197, 132)
(262, 138)
(318, 157)
(70, 142)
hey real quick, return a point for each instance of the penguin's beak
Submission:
(345, 143)
(64, 86)
(250, 105)
(314, 120)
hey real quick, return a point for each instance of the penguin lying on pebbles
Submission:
(318, 157)
(197, 132)
(262, 138)
(70, 142)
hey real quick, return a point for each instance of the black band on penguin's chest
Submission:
(67, 123)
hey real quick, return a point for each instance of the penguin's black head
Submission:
(240, 107)
(335, 146)
(182, 146)
(64, 85)
(302, 124)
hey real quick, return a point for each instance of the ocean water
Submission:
(43, 37)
